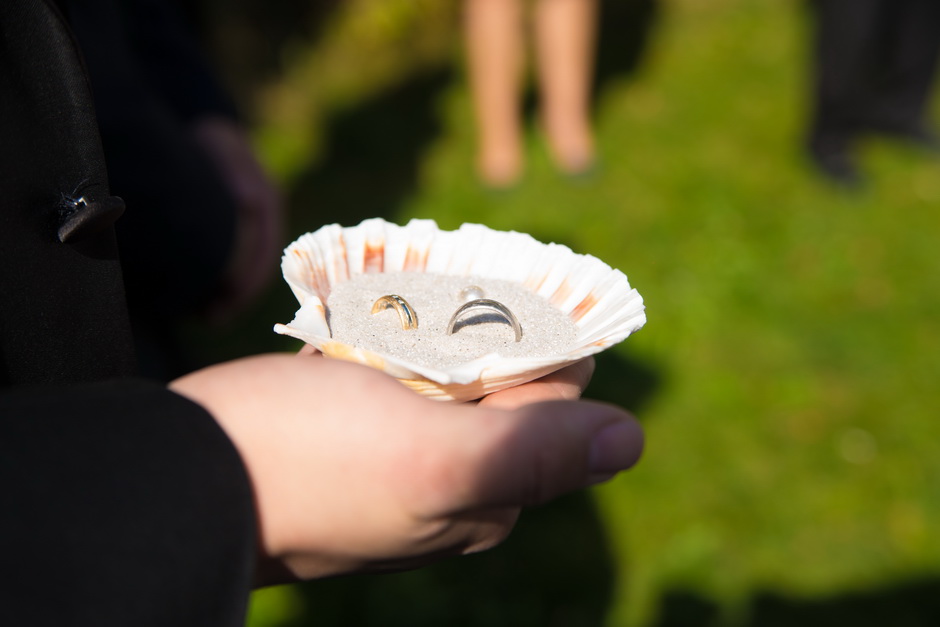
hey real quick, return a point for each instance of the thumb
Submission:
(541, 451)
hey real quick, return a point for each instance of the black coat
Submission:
(123, 503)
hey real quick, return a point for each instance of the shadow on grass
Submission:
(374, 150)
(623, 381)
(554, 570)
(909, 604)
(624, 34)
(244, 38)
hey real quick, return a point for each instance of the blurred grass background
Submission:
(787, 377)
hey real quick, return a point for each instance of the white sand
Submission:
(546, 331)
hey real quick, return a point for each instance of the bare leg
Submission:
(565, 36)
(494, 34)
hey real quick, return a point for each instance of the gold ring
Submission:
(409, 319)
(489, 305)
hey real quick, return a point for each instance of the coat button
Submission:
(89, 217)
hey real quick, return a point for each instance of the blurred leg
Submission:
(493, 32)
(845, 58)
(910, 66)
(566, 32)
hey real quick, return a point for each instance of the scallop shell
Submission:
(598, 298)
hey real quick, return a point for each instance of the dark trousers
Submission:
(875, 61)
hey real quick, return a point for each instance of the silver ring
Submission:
(488, 305)
(407, 315)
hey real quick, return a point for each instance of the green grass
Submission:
(786, 377)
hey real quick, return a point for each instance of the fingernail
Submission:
(615, 448)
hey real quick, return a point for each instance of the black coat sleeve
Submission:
(123, 504)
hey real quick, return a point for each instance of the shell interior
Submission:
(597, 298)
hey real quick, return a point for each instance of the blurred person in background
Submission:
(564, 47)
(875, 62)
(205, 235)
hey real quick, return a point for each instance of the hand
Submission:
(565, 384)
(353, 472)
(258, 225)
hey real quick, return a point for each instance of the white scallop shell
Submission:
(598, 298)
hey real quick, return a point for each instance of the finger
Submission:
(565, 384)
(534, 454)
(308, 351)
(460, 534)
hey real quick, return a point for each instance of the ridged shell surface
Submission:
(597, 298)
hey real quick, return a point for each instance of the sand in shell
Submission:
(546, 331)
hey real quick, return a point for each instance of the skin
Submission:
(564, 34)
(565, 37)
(352, 472)
(493, 30)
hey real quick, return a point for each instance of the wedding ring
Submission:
(486, 304)
(409, 319)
